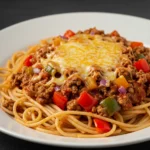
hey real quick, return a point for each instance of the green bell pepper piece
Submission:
(49, 69)
(111, 105)
(140, 56)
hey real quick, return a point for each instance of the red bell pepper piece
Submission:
(27, 61)
(86, 101)
(137, 65)
(136, 44)
(102, 126)
(115, 33)
(69, 34)
(59, 100)
(142, 64)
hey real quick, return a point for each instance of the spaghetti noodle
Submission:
(56, 114)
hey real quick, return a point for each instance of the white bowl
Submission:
(22, 35)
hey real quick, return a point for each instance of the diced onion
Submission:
(92, 33)
(103, 82)
(36, 70)
(63, 37)
(57, 88)
(122, 90)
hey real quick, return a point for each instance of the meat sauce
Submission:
(137, 78)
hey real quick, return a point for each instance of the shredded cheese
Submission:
(83, 51)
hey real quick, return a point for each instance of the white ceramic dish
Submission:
(21, 35)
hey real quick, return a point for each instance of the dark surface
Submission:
(14, 11)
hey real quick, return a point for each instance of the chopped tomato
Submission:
(137, 65)
(102, 126)
(136, 44)
(115, 33)
(27, 61)
(69, 34)
(86, 101)
(59, 100)
(142, 64)
(121, 81)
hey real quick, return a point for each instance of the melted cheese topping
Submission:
(82, 51)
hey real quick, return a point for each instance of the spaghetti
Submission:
(55, 114)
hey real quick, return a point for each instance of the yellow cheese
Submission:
(83, 51)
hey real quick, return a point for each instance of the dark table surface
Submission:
(14, 11)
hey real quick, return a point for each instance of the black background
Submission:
(14, 11)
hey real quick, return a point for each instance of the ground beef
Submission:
(72, 86)
(128, 72)
(141, 77)
(16, 79)
(125, 62)
(130, 89)
(136, 92)
(117, 38)
(120, 39)
(96, 73)
(69, 71)
(73, 105)
(42, 94)
(129, 52)
(100, 110)
(148, 91)
(123, 71)
(33, 87)
(148, 77)
(42, 100)
(132, 71)
(113, 90)
(8, 104)
(25, 80)
(148, 59)
(124, 101)
(96, 94)
(20, 79)
(139, 93)
(92, 31)
(20, 109)
(141, 50)
(42, 51)
(103, 90)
